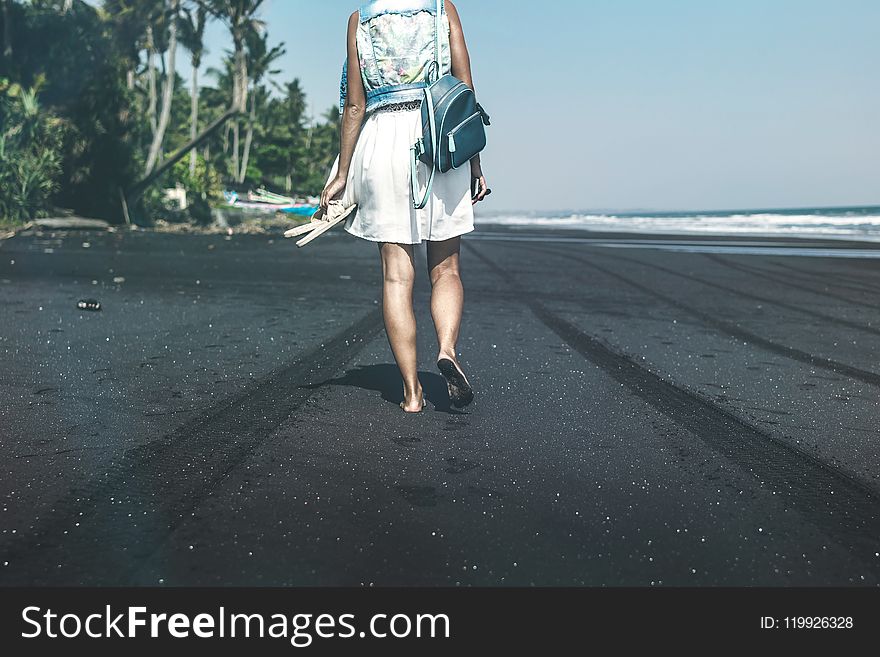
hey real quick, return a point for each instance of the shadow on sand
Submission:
(385, 379)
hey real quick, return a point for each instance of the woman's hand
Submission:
(333, 190)
(479, 187)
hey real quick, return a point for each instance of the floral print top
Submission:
(396, 48)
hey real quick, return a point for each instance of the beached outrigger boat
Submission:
(264, 201)
(233, 199)
(263, 195)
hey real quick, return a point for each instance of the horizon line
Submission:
(752, 210)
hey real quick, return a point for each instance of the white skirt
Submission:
(379, 183)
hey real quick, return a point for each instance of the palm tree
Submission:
(260, 60)
(149, 16)
(224, 88)
(172, 15)
(240, 18)
(192, 36)
(131, 28)
(295, 107)
(153, 102)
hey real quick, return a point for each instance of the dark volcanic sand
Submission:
(642, 416)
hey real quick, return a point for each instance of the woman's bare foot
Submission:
(414, 403)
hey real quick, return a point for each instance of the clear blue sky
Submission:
(672, 104)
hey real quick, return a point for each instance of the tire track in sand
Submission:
(101, 533)
(733, 330)
(843, 507)
(764, 274)
(755, 297)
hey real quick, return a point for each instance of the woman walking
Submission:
(391, 45)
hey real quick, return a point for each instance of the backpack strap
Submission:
(438, 25)
(418, 149)
(419, 205)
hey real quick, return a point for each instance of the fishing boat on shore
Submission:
(264, 201)
(263, 195)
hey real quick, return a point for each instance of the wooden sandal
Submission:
(460, 391)
(321, 222)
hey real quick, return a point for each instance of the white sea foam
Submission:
(860, 224)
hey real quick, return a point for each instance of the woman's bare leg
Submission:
(447, 306)
(447, 298)
(398, 269)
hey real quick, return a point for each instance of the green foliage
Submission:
(84, 71)
(88, 137)
(291, 154)
(193, 22)
(30, 164)
(204, 184)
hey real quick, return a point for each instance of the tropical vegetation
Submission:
(95, 117)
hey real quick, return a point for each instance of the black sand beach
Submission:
(650, 411)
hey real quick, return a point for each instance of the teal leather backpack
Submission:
(453, 122)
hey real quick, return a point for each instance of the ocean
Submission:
(860, 223)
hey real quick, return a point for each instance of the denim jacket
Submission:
(395, 43)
